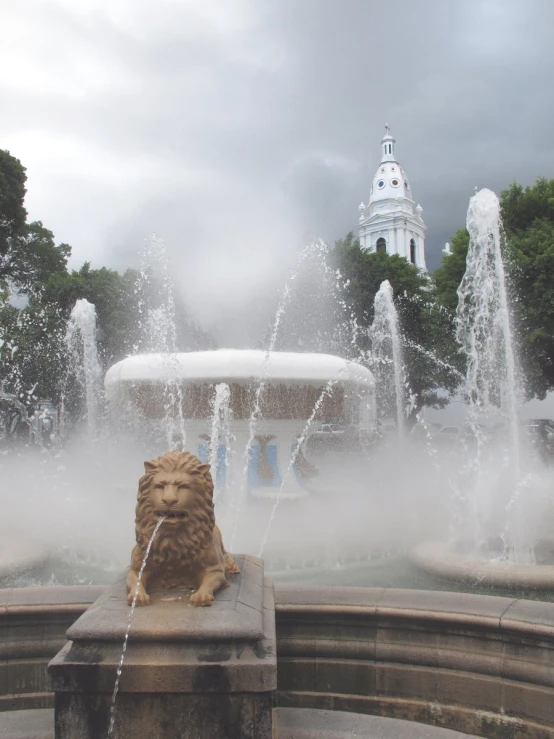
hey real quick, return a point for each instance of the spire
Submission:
(388, 145)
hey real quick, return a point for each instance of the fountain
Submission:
(84, 366)
(286, 435)
(496, 543)
(386, 355)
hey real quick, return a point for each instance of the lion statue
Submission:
(187, 550)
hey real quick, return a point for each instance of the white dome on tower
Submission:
(390, 180)
(392, 220)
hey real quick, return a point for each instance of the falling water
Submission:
(128, 631)
(156, 303)
(314, 248)
(158, 330)
(80, 340)
(325, 393)
(483, 329)
(220, 432)
(386, 349)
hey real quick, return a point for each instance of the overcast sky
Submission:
(236, 128)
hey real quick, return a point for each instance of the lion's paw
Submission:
(143, 599)
(231, 566)
(202, 598)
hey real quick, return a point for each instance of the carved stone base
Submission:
(189, 672)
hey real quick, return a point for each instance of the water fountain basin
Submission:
(444, 560)
(19, 554)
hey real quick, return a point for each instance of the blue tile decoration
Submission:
(254, 479)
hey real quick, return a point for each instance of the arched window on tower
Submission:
(412, 251)
(381, 245)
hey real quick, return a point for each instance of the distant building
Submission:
(392, 219)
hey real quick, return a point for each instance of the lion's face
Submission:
(175, 495)
(179, 488)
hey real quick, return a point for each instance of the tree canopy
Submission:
(31, 258)
(448, 276)
(12, 194)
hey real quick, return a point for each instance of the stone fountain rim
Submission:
(439, 558)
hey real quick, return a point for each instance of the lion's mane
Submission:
(186, 540)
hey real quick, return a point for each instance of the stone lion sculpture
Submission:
(187, 550)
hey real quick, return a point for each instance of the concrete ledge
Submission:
(33, 622)
(479, 664)
(236, 613)
(307, 723)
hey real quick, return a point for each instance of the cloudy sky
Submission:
(236, 129)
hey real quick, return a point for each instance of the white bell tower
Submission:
(392, 221)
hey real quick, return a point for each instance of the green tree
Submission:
(32, 353)
(31, 258)
(112, 295)
(448, 276)
(364, 272)
(12, 194)
(528, 217)
(521, 207)
(532, 260)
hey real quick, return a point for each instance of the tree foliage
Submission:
(532, 257)
(448, 276)
(12, 194)
(114, 298)
(31, 258)
(521, 207)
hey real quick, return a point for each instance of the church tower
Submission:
(392, 220)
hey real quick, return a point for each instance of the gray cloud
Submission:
(233, 128)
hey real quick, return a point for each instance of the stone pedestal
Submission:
(189, 672)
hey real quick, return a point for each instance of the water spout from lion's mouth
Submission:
(172, 515)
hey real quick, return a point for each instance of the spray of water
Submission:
(158, 330)
(80, 340)
(317, 247)
(483, 329)
(325, 393)
(386, 350)
(128, 631)
(220, 431)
